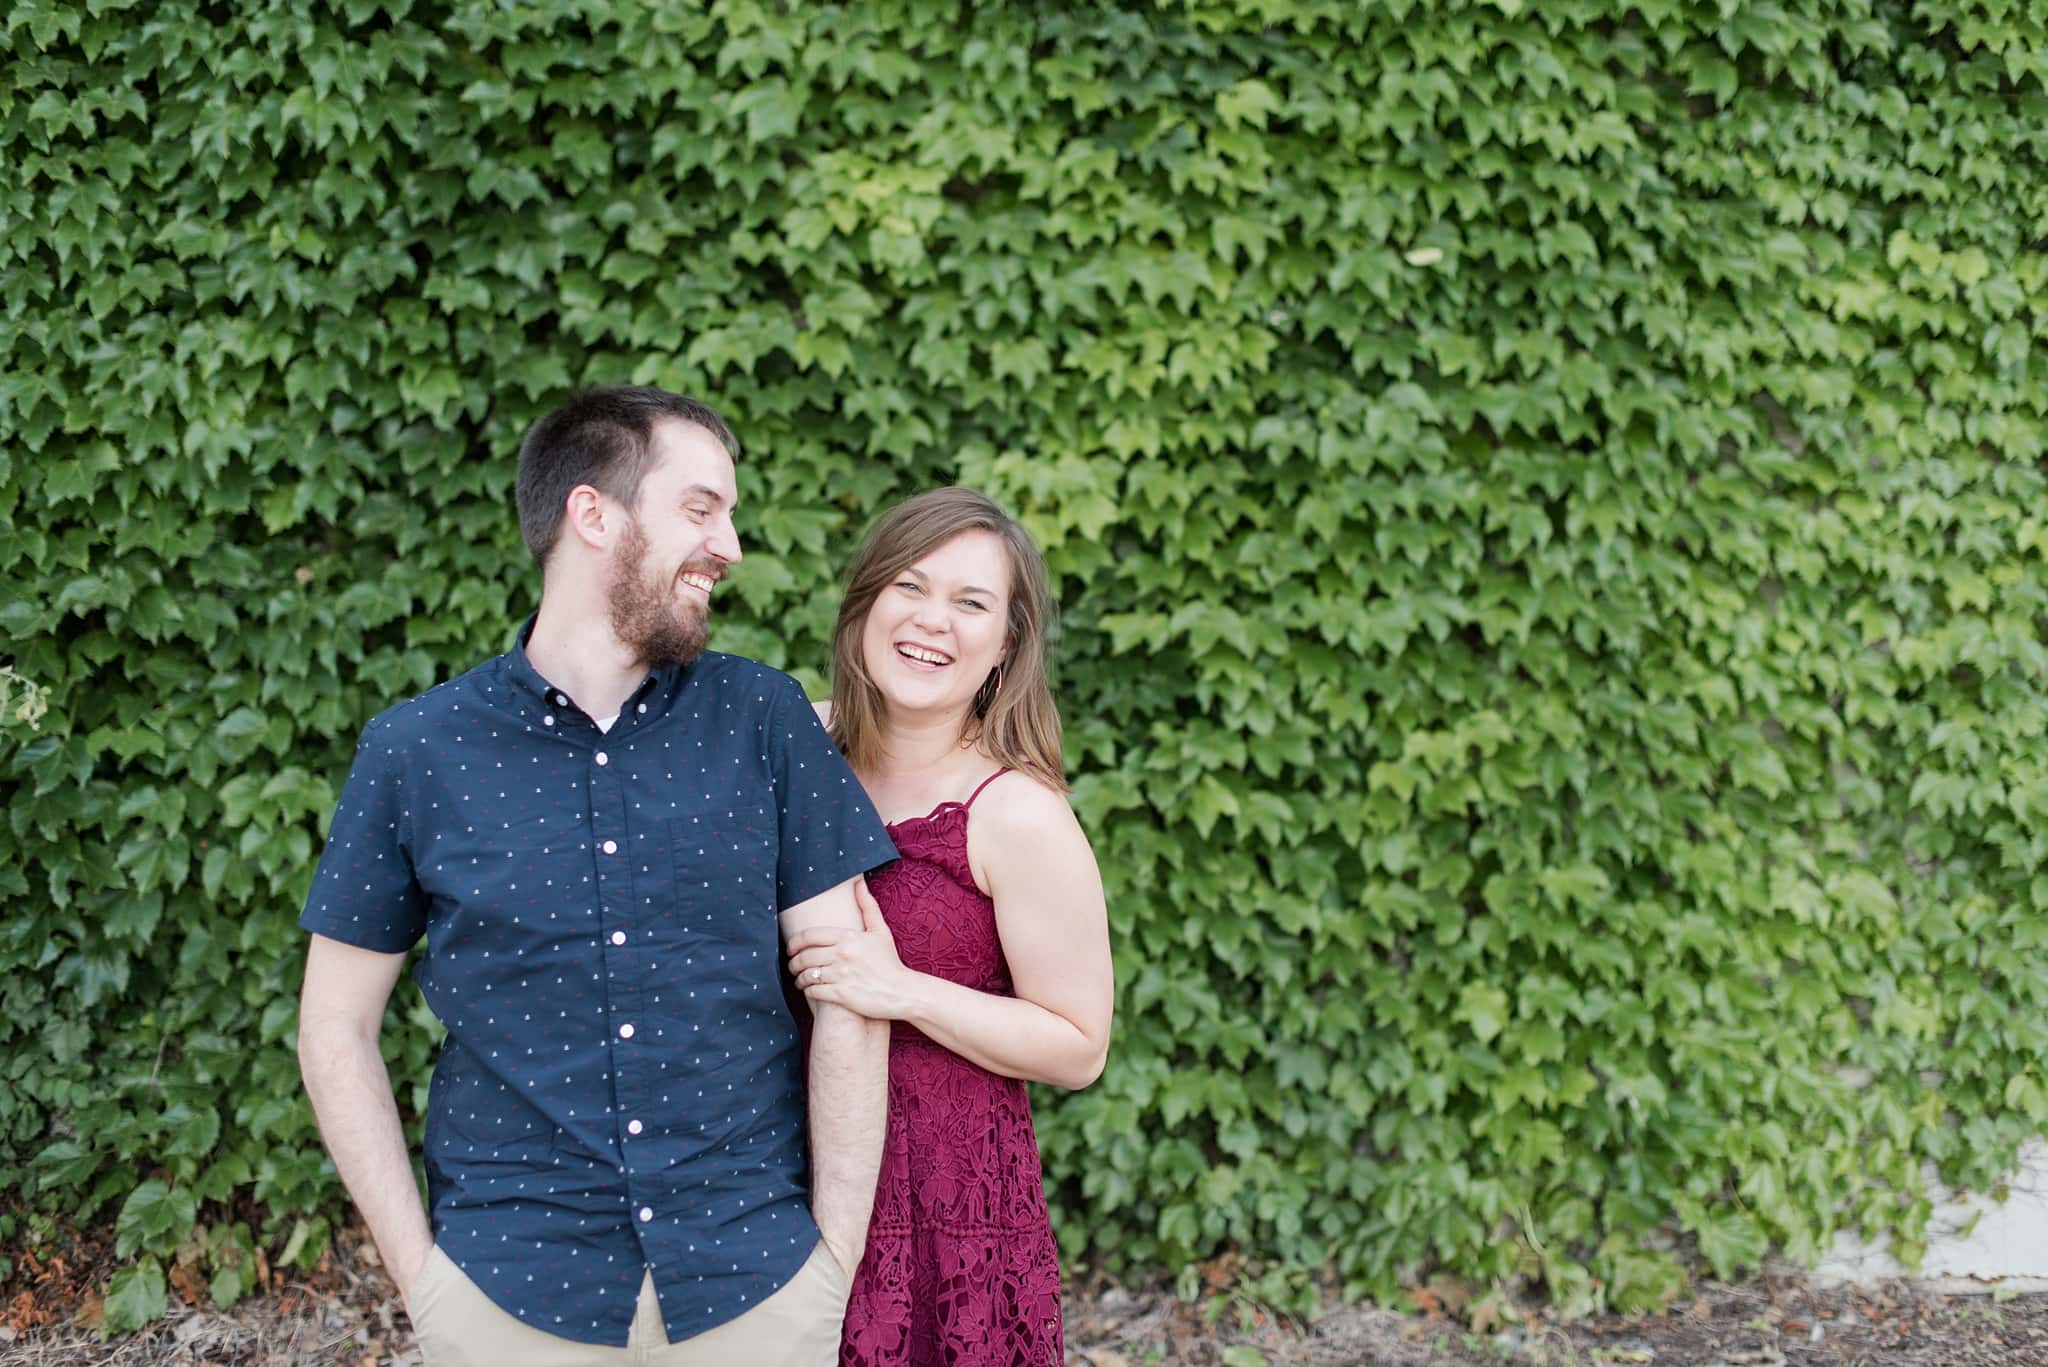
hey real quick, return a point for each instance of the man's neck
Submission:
(577, 652)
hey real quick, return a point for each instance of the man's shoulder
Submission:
(748, 680)
(426, 714)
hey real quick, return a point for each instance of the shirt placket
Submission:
(630, 1033)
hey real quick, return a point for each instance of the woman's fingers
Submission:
(816, 954)
(817, 937)
(822, 957)
(870, 910)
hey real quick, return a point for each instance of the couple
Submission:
(641, 1147)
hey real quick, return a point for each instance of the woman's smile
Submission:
(923, 657)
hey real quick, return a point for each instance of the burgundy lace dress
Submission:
(961, 1268)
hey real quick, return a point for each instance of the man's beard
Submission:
(649, 619)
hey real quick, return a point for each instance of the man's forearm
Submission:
(849, 1109)
(351, 1095)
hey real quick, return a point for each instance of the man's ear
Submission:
(590, 517)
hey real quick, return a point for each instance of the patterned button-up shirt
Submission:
(621, 1087)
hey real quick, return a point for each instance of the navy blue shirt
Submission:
(621, 1085)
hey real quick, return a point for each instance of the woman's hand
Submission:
(856, 969)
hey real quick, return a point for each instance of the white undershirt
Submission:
(605, 723)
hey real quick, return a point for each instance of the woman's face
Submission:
(939, 627)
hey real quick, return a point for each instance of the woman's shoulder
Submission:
(1017, 803)
(1021, 833)
(823, 707)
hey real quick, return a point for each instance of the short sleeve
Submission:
(364, 893)
(829, 831)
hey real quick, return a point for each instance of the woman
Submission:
(988, 943)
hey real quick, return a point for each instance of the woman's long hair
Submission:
(1013, 718)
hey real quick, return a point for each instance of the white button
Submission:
(626, 1030)
(603, 758)
(646, 1214)
(633, 1127)
(547, 721)
(611, 847)
(642, 707)
(618, 937)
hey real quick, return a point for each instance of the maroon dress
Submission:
(961, 1268)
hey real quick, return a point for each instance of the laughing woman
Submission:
(987, 943)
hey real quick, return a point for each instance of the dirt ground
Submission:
(344, 1313)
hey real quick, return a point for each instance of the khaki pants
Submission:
(798, 1326)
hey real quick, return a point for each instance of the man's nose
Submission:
(725, 543)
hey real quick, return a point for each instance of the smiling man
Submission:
(600, 833)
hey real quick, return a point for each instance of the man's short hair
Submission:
(604, 438)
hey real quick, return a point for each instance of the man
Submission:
(599, 834)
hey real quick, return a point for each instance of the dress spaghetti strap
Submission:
(984, 783)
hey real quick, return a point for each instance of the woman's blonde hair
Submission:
(1013, 717)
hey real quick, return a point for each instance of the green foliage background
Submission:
(1548, 499)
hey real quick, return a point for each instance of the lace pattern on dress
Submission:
(961, 1268)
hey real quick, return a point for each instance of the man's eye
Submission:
(700, 513)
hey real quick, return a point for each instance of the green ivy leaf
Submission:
(135, 1297)
(154, 1218)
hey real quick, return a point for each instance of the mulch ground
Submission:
(344, 1312)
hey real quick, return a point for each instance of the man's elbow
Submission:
(326, 1040)
(315, 1041)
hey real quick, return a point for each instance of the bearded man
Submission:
(599, 834)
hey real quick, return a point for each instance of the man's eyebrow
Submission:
(704, 491)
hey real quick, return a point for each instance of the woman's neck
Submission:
(913, 746)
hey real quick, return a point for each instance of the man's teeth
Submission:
(923, 656)
(700, 581)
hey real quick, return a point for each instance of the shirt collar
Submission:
(519, 671)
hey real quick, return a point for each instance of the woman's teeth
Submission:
(923, 656)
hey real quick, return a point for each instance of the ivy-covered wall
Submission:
(1550, 503)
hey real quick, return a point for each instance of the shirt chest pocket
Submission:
(724, 861)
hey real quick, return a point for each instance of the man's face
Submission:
(677, 544)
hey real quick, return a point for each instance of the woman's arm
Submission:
(1055, 937)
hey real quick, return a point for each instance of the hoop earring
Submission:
(985, 696)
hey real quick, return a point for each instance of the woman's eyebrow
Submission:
(917, 573)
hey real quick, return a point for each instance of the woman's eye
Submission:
(970, 603)
(907, 586)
